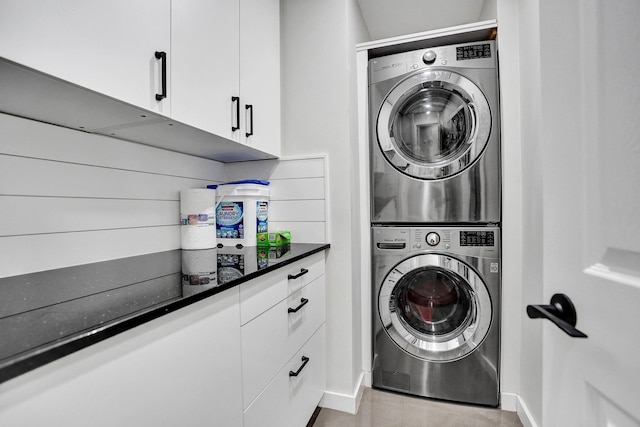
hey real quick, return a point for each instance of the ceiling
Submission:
(386, 18)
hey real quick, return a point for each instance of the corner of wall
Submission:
(524, 414)
(348, 403)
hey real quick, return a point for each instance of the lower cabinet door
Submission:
(290, 399)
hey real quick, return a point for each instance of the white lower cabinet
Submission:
(272, 338)
(289, 401)
(223, 361)
(283, 356)
(181, 369)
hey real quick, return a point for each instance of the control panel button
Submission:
(429, 57)
(433, 239)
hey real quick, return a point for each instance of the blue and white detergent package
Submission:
(242, 211)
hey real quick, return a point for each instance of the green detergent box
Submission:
(274, 238)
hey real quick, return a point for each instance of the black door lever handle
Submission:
(561, 312)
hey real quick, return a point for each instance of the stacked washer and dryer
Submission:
(435, 213)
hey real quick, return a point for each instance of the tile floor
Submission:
(385, 409)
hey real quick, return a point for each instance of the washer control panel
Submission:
(477, 238)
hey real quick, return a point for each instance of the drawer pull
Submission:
(303, 302)
(303, 271)
(305, 360)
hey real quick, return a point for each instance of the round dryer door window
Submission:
(434, 124)
(435, 307)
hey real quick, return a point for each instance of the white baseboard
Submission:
(509, 402)
(513, 402)
(351, 402)
(344, 402)
(367, 379)
(524, 414)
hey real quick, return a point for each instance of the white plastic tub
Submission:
(242, 211)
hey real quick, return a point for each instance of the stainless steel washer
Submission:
(434, 136)
(436, 305)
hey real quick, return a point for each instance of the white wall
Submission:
(519, 51)
(318, 116)
(297, 194)
(356, 33)
(508, 51)
(532, 266)
(489, 10)
(70, 198)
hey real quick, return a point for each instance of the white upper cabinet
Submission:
(105, 46)
(213, 65)
(260, 74)
(205, 78)
(226, 69)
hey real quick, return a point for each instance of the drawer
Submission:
(289, 401)
(270, 339)
(257, 296)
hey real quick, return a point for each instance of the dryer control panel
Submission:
(467, 55)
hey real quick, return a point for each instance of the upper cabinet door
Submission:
(106, 46)
(205, 73)
(260, 74)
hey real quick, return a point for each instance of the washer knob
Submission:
(433, 239)
(429, 57)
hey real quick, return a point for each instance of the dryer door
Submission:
(435, 307)
(433, 124)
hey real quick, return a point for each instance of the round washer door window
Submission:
(435, 307)
(433, 124)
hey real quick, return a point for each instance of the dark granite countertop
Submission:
(49, 314)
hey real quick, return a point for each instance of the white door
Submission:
(590, 137)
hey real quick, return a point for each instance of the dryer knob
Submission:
(429, 57)
(433, 239)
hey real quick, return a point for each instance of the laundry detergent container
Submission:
(242, 211)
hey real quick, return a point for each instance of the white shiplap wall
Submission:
(68, 197)
(298, 194)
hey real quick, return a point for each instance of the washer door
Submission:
(433, 124)
(435, 307)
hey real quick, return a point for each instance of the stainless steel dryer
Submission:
(436, 306)
(434, 135)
